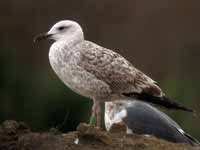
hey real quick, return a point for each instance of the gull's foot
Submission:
(90, 134)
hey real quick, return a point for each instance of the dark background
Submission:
(160, 37)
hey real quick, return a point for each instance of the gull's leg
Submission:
(93, 115)
(95, 118)
(98, 114)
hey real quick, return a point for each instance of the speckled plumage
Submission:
(97, 72)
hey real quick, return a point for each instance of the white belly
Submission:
(64, 63)
(69, 74)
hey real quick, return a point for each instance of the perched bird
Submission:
(142, 118)
(97, 72)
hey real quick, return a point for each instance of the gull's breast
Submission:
(64, 63)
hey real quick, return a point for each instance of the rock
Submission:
(88, 134)
(18, 136)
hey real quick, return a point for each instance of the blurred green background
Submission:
(161, 38)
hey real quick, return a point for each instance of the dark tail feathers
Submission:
(162, 101)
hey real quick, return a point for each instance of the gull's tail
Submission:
(162, 101)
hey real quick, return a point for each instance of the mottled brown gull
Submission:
(97, 72)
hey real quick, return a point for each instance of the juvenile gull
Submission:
(97, 72)
(142, 118)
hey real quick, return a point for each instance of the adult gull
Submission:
(142, 118)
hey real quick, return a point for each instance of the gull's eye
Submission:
(62, 28)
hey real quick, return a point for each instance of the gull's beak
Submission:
(41, 36)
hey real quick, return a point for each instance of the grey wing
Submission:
(143, 118)
(116, 71)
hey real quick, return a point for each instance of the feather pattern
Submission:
(121, 76)
(115, 70)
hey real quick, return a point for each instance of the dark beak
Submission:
(41, 36)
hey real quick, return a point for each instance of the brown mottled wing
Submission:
(116, 71)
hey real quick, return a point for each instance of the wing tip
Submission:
(193, 141)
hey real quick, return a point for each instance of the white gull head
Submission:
(115, 112)
(65, 30)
